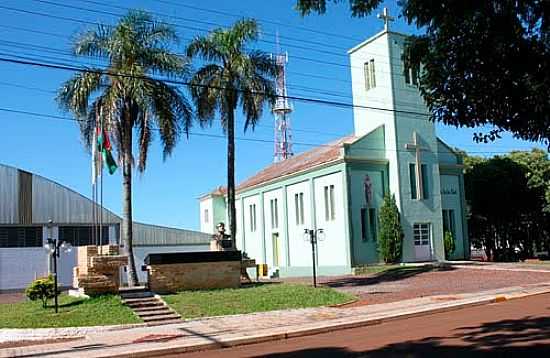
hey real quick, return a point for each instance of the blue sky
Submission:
(167, 192)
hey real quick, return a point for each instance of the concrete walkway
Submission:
(229, 331)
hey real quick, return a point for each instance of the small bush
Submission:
(42, 289)
(391, 233)
(449, 242)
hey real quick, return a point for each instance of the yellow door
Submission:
(275, 245)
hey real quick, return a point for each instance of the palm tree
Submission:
(127, 97)
(231, 76)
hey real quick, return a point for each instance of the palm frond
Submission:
(206, 48)
(74, 94)
(244, 31)
(206, 91)
(145, 137)
(96, 43)
(172, 113)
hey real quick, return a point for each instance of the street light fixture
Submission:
(54, 247)
(313, 236)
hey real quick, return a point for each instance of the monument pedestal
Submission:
(98, 274)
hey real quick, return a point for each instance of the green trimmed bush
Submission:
(391, 234)
(42, 289)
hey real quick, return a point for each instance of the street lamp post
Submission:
(54, 246)
(313, 236)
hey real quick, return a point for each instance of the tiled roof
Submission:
(219, 191)
(312, 158)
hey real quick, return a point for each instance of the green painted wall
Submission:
(365, 251)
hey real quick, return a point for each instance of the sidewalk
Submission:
(228, 331)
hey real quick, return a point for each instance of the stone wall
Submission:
(98, 274)
(197, 275)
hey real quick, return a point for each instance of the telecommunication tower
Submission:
(282, 110)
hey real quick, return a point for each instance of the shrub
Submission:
(391, 233)
(41, 289)
(449, 242)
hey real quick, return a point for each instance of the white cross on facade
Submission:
(385, 16)
(415, 145)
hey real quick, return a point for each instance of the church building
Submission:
(339, 187)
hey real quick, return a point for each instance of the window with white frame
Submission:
(370, 74)
(274, 213)
(252, 217)
(329, 203)
(206, 216)
(421, 234)
(299, 208)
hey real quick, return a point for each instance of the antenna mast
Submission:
(281, 110)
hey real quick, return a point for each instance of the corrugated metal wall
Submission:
(53, 201)
(9, 178)
(151, 235)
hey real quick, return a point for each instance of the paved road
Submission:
(515, 328)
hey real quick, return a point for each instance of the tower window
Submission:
(411, 75)
(370, 75)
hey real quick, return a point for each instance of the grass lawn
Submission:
(378, 268)
(255, 298)
(73, 312)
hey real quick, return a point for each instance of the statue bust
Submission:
(220, 240)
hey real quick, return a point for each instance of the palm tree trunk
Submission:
(232, 215)
(127, 198)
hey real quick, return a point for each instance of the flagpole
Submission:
(94, 178)
(101, 188)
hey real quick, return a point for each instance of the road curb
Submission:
(326, 328)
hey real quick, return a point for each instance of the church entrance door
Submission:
(422, 242)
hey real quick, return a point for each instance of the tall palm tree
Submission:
(128, 97)
(231, 76)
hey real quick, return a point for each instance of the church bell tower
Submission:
(385, 93)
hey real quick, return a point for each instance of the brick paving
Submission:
(414, 282)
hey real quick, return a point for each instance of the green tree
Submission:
(42, 289)
(391, 234)
(128, 97)
(485, 62)
(507, 204)
(232, 76)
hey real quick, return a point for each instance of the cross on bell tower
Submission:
(385, 16)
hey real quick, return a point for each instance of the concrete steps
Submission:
(149, 307)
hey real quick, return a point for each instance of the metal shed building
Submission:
(28, 201)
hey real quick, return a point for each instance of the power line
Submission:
(194, 20)
(304, 130)
(67, 67)
(302, 58)
(302, 28)
(257, 140)
(66, 53)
